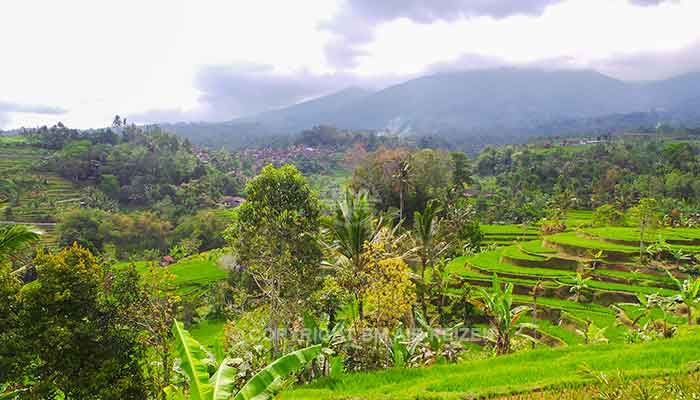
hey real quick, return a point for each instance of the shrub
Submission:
(608, 215)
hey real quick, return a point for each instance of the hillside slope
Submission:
(511, 102)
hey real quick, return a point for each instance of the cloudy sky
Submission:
(83, 61)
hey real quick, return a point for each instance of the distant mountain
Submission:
(498, 103)
(320, 111)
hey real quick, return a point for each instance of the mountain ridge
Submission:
(512, 102)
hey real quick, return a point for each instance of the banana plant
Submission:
(497, 304)
(689, 293)
(265, 385)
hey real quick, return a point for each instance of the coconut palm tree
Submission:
(497, 304)
(265, 385)
(426, 227)
(403, 177)
(352, 227)
(14, 238)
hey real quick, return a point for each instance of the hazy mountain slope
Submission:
(322, 110)
(504, 99)
(505, 102)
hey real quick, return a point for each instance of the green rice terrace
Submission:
(507, 234)
(602, 315)
(558, 370)
(606, 258)
(36, 196)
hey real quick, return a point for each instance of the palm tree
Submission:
(497, 304)
(689, 293)
(425, 227)
(14, 238)
(265, 385)
(403, 176)
(352, 227)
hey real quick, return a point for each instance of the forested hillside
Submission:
(393, 268)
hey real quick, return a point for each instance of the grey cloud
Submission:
(466, 62)
(247, 89)
(646, 3)
(30, 108)
(642, 66)
(651, 65)
(7, 107)
(243, 90)
(355, 23)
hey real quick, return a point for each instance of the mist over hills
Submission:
(496, 104)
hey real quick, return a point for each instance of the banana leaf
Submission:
(267, 383)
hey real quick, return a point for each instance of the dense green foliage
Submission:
(136, 168)
(66, 334)
(397, 271)
(528, 180)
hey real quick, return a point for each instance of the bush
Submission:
(608, 215)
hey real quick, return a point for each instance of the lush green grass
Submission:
(515, 253)
(491, 261)
(509, 230)
(535, 246)
(576, 218)
(195, 273)
(520, 372)
(192, 275)
(602, 317)
(12, 140)
(632, 234)
(573, 239)
(646, 279)
(566, 336)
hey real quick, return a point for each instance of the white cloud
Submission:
(182, 58)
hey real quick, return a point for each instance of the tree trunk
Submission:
(360, 306)
(274, 330)
(503, 344)
(400, 201)
(165, 359)
(641, 244)
(422, 286)
(534, 319)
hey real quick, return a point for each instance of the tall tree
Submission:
(645, 214)
(353, 226)
(275, 237)
(81, 346)
(425, 227)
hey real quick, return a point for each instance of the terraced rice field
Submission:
(40, 205)
(505, 235)
(192, 275)
(601, 254)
